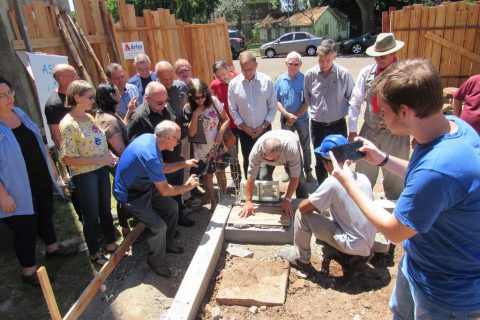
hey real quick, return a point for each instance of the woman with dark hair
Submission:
(207, 121)
(107, 98)
(26, 180)
(85, 151)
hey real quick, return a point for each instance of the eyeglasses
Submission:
(296, 64)
(268, 157)
(199, 97)
(9, 94)
(178, 139)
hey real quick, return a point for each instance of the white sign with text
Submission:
(131, 49)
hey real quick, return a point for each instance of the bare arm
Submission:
(385, 222)
(248, 209)
(286, 204)
(7, 204)
(117, 143)
(175, 166)
(107, 160)
(56, 136)
(167, 190)
(457, 107)
(306, 206)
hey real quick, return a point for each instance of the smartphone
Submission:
(348, 151)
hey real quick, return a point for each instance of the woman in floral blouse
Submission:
(85, 151)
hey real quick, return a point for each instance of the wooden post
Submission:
(89, 292)
(108, 25)
(48, 293)
(23, 26)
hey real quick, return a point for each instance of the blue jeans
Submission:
(407, 303)
(93, 193)
(304, 136)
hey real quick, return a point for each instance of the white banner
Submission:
(41, 68)
(131, 49)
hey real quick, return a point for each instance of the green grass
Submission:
(69, 276)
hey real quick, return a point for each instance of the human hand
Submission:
(352, 136)
(132, 105)
(247, 210)
(291, 119)
(110, 160)
(372, 154)
(257, 132)
(198, 111)
(249, 131)
(219, 137)
(287, 208)
(7, 204)
(342, 173)
(192, 181)
(191, 163)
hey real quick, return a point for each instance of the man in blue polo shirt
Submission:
(292, 106)
(438, 213)
(141, 188)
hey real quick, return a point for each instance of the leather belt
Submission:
(326, 124)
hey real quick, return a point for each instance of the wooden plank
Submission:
(458, 38)
(469, 42)
(448, 36)
(56, 42)
(30, 21)
(441, 12)
(148, 17)
(476, 66)
(48, 293)
(41, 19)
(97, 18)
(80, 10)
(89, 293)
(430, 24)
(159, 41)
(14, 23)
(415, 17)
(421, 35)
(451, 46)
(403, 35)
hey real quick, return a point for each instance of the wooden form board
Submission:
(457, 24)
(264, 216)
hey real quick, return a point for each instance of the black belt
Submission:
(326, 124)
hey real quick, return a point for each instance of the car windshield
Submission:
(234, 34)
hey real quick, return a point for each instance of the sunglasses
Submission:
(199, 97)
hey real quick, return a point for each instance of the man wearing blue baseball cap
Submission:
(348, 231)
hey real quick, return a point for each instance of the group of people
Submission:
(159, 137)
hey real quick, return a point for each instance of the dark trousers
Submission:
(26, 227)
(176, 179)
(232, 159)
(247, 143)
(159, 214)
(93, 192)
(318, 132)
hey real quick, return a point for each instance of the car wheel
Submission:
(270, 53)
(234, 54)
(356, 48)
(311, 51)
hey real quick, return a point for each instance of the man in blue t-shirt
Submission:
(141, 188)
(438, 214)
(292, 106)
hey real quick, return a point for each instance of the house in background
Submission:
(323, 21)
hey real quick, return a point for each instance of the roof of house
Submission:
(303, 18)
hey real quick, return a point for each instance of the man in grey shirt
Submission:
(253, 104)
(327, 89)
(276, 148)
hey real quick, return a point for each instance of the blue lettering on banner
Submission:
(47, 68)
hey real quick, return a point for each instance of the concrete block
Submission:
(257, 235)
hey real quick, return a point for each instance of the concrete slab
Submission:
(195, 282)
(257, 235)
(264, 216)
(264, 285)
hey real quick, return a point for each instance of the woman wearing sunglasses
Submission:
(207, 121)
(85, 151)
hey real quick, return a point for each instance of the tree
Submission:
(233, 8)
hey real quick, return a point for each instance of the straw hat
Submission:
(385, 44)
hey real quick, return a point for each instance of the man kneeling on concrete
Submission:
(276, 148)
(141, 187)
(348, 232)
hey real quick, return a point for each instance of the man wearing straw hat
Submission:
(374, 129)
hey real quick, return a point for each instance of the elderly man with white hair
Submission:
(276, 148)
(293, 108)
(144, 75)
(142, 189)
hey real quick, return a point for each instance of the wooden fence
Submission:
(167, 38)
(164, 37)
(448, 34)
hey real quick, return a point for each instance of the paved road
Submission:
(276, 66)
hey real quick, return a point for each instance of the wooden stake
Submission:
(48, 293)
(83, 39)
(108, 25)
(89, 292)
(70, 45)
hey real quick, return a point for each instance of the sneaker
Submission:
(285, 177)
(193, 202)
(61, 252)
(310, 177)
(290, 255)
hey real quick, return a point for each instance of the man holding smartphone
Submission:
(437, 214)
(348, 231)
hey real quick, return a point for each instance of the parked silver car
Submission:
(302, 42)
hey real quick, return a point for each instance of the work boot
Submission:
(162, 270)
(290, 255)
